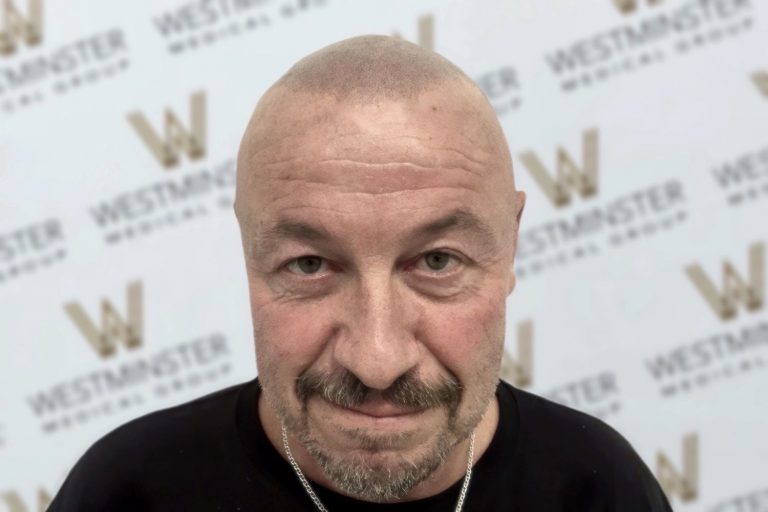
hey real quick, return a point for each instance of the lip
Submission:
(376, 410)
(381, 409)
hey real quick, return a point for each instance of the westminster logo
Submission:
(683, 483)
(630, 6)
(519, 370)
(426, 32)
(113, 328)
(176, 137)
(568, 175)
(735, 289)
(17, 26)
(14, 503)
(761, 81)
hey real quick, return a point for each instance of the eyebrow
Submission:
(460, 220)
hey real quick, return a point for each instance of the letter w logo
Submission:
(177, 137)
(735, 288)
(630, 6)
(426, 34)
(14, 503)
(569, 176)
(114, 328)
(684, 483)
(15, 26)
(761, 80)
(519, 372)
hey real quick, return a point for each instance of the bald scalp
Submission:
(369, 68)
(360, 72)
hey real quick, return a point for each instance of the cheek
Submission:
(289, 337)
(467, 337)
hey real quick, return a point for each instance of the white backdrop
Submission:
(96, 233)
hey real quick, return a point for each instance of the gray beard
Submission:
(379, 483)
(360, 477)
(382, 483)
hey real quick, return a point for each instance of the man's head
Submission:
(379, 217)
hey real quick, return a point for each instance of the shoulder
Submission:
(543, 420)
(117, 466)
(198, 417)
(584, 459)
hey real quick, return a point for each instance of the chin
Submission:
(384, 475)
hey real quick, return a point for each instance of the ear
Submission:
(519, 200)
(519, 206)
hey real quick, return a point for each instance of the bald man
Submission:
(379, 219)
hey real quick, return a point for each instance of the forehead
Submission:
(306, 148)
(457, 118)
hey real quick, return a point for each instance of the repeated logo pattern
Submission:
(641, 255)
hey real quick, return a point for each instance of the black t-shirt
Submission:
(212, 454)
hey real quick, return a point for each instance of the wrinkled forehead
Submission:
(443, 127)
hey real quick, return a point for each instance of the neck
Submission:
(450, 472)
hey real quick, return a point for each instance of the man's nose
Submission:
(378, 344)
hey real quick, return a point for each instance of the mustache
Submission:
(346, 390)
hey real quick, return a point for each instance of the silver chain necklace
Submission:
(321, 507)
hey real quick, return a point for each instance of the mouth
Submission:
(380, 409)
(375, 413)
